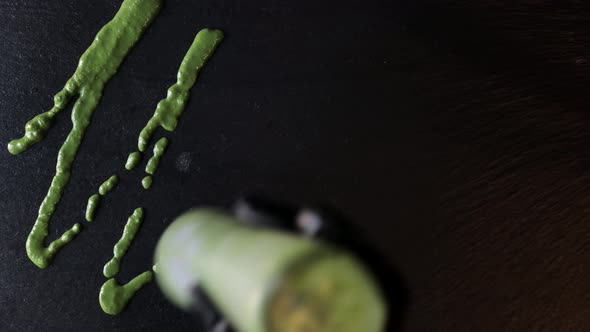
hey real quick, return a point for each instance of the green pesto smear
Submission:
(94, 200)
(133, 160)
(131, 227)
(91, 207)
(154, 162)
(170, 108)
(108, 185)
(96, 66)
(113, 298)
(146, 182)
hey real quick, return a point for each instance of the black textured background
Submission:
(455, 132)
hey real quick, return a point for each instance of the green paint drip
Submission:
(131, 227)
(113, 297)
(147, 182)
(169, 109)
(108, 185)
(96, 66)
(93, 201)
(154, 162)
(91, 207)
(133, 160)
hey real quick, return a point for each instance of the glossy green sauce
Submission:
(96, 66)
(108, 185)
(133, 160)
(94, 200)
(146, 182)
(131, 227)
(154, 162)
(91, 207)
(169, 109)
(113, 298)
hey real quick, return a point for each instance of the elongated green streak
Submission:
(108, 185)
(146, 182)
(91, 207)
(169, 109)
(113, 298)
(94, 200)
(154, 162)
(96, 66)
(131, 227)
(133, 160)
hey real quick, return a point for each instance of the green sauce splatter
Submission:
(108, 185)
(169, 109)
(147, 182)
(93, 201)
(133, 160)
(154, 162)
(113, 297)
(96, 66)
(91, 206)
(131, 227)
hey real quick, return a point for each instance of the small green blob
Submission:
(169, 109)
(154, 162)
(155, 268)
(133, 160)
(108, 185)
(147, 182)
(131, 227)
(91, 207)
(95, 68)
(113, 298)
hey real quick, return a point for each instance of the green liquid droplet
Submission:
(91, 207)
(113, 298)
(133, 160)
(108, 185)
(95, 68)
(131, 227)
(169, 109)
(154, 162)
(147, 182)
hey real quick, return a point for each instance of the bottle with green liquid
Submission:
(266, 280)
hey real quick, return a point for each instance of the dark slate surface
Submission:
(454, 132)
